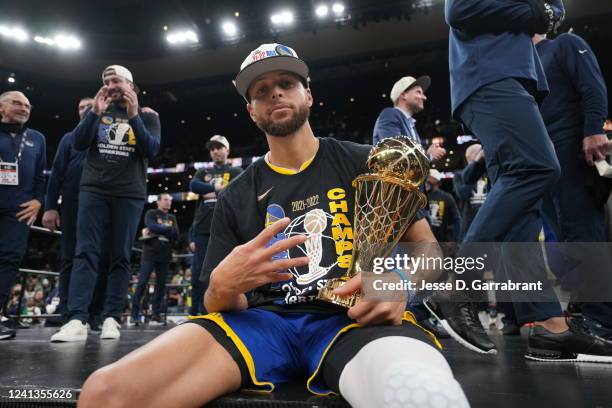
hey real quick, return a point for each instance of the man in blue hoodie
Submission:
(574, 113)
(22, 185)
(64, 181)
(119, 139)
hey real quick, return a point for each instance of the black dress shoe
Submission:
(6, 333)
(574, 345)
(461, 321)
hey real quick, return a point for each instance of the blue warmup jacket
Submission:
(31, 168)
(65, 173)
(578, 98)
(490, 40)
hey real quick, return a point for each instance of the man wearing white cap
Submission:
(119, 139)
(266, 326)
(408, 97)
(207, 182)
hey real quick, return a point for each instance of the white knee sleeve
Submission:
(394, 372)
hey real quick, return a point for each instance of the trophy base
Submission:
(326, 293)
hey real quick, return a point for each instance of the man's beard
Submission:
(287, 126)
(416, 108)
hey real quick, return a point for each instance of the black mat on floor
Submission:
(31, 363)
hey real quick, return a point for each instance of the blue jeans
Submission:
(68, 217)
(161, 272)
(198, 288)
(13, 245)
(103, 218)
(522, 166)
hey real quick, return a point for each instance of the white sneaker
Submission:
(74, 330)
(110, 329)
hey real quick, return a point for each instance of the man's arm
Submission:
(84, 133)
(147, 129)
(198, 185)
(155, 227)
(243, 267)
(580, 64)
(58, 171)
(474, 171)
(494, 16)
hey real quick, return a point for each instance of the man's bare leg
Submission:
(184, 367)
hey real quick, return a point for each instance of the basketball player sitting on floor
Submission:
(265, 326)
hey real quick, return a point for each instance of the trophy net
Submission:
(384, 209)
(386, 200)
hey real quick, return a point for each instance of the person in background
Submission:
(207, 183)
(159, 235)
(22, 185)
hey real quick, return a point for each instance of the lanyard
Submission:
(21, 146)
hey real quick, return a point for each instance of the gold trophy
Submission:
(386, 200)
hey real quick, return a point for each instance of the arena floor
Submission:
(504, 380)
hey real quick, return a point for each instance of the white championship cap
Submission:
(121, 71)
(217, 139)
(406, 82)
(435, 174)
(266, 58)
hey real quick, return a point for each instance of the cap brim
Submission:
(423, 81)
(278, 63)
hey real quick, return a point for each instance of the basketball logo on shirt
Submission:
(121, 134)
(314, 224)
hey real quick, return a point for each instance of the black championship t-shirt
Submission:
(442, 212)
(220, 175)
(115, 164)
(319, 200)
(159, 247)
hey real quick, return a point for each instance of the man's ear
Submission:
(251, 111)
(309, 98)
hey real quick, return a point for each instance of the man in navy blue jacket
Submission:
(119, 139)
(497, 80)
(22, 185)
(408, 97)
(64, 180)
(574, 113)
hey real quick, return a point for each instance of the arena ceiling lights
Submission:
(15, 33)
(322, 11)
(186, 37)
(61, 41)
(282, 18)
(21, 35)
(229, 28)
